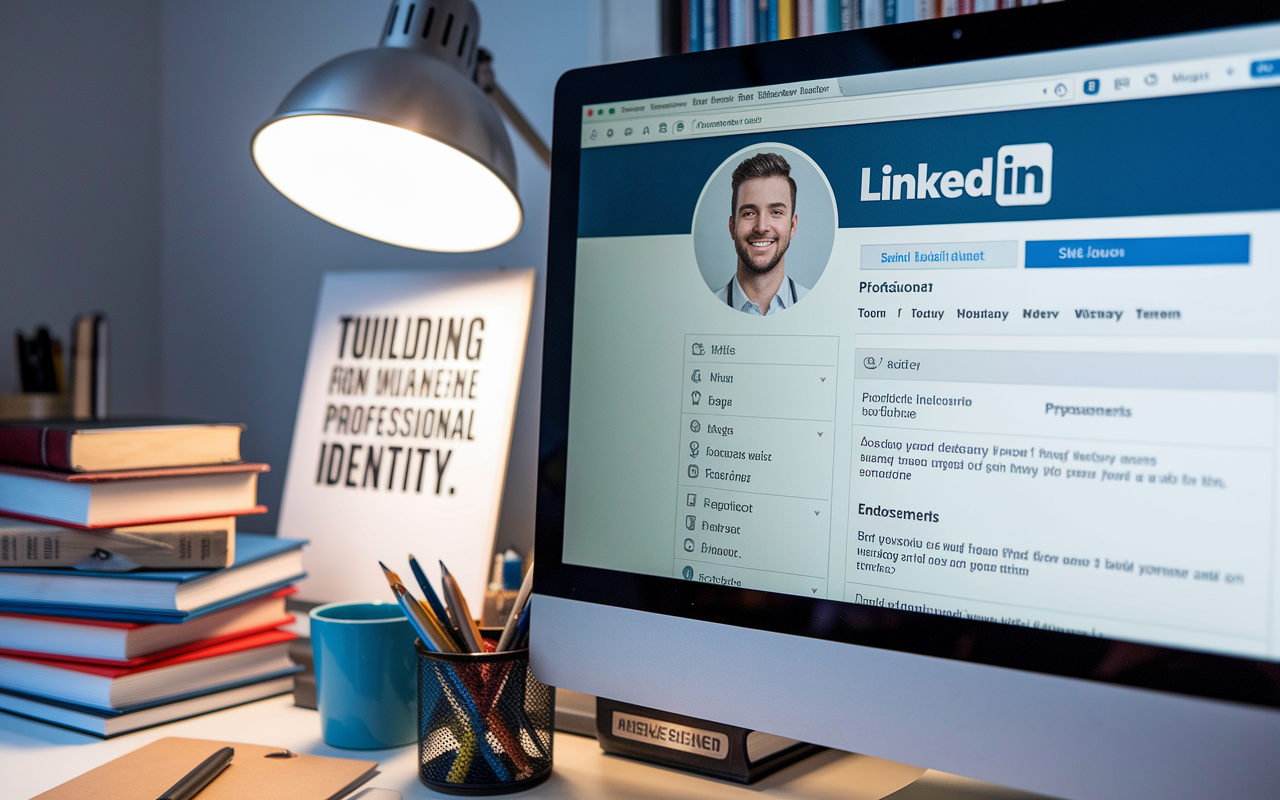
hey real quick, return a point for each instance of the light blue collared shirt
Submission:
(789, 293)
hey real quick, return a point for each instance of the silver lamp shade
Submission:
(398, 143)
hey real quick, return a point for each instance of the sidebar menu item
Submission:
(757, 430)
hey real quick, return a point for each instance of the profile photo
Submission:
(780, 215)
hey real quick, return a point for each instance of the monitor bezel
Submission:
(1010, 32)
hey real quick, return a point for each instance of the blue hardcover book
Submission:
(695, 25)
(737, 22)
(113, 722)
(262, 565)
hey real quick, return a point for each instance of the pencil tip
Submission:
(443, 569)
(384, 567)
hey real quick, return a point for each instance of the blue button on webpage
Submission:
(1169, 251)
(1265, 69)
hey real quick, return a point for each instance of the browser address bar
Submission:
(895, 105)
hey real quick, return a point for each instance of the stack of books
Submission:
(127, 598)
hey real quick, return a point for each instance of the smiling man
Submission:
(762, 224)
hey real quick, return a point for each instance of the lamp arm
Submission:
(484, 79)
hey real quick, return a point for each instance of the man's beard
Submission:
(744, 256)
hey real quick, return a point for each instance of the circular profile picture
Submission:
(763, 228)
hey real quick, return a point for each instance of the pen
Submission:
(422, 620)
(437, 608)
(428, 593)
(461, 614)
(521, 638)
(200, 777)
(509, 630)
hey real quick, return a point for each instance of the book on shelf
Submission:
(240, 660)
(39, 362)
(107, 723)
(263, 564)
(709, 24)
(188, 544)
(116, 444)
(129, 497)
(89, 367)
(131, 644)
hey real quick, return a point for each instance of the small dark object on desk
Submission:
(201, 776)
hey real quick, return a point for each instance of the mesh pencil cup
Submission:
(484, 722)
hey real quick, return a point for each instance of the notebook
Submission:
(149, 771)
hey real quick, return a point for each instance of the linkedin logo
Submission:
(1024, 174)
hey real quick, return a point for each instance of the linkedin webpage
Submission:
(1017, 361)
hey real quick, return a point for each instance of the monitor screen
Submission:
(994, 348)
(975, 360)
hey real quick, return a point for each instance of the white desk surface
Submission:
(35, 757)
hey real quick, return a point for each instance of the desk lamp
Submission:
(403, 143)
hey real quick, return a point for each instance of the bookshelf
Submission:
(692, 25)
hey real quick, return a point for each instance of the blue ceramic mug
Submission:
(366, 675)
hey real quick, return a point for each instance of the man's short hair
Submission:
(762, 165)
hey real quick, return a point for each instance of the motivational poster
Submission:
(404, 427)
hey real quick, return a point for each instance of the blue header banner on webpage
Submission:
(1137, 158)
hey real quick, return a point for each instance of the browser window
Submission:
(999, 349)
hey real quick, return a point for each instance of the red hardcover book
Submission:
(129, 497)
(130, 644)
(237, 661)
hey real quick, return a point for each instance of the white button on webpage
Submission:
(941, 255)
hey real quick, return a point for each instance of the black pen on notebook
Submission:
(204, 773)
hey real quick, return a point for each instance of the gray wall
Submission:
(242, 264)
(80, 181)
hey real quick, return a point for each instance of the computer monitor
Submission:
(913, 391)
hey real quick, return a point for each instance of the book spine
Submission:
(749, 21)
(71, 548)
(872, 13)
(773, 20)
(948, 8)
(804, 17)
(722, 22)
(850, 15)
(762, 21)
(964, 6)
(786, 19)
(709, 18)
(820, 17)
(684, 27)
(891, 12)
(36, 447)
